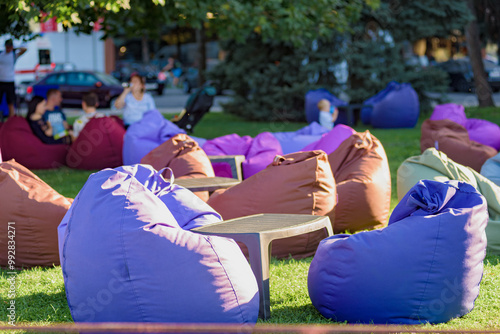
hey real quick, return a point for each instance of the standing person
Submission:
(55, 117)
(135, 100)
(90, 102)
(7, 60)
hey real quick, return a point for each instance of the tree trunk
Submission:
(145, 48)
(202, 54)
(483, 89)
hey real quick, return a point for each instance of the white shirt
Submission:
(134, 109)
(7, 61)
(82, 121)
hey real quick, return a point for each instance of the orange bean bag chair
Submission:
(30, 211)
(299, 182)
(453, 140)
(361, 170)
(20, 143)
(184, 156)
(99, 145)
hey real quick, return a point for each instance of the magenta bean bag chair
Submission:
(259, 152)
(147, 134)
(331, 140)
(127, 255)
(453, 112)
(20, 143)
(484, 132)
(99, 145)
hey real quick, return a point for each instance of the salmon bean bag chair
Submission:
(147, 134)
(453, 139)
(184, 157)
(361, 170)
(259, 152)
(30, 211)
(435, 165)
(294, 183)
(99, 145)
(424, 267)
(20, 143)
(491, 169)
(127, 255)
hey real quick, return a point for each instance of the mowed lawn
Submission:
(40, 296)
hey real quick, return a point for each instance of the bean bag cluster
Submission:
(425, 267)
(259, 152)
(396, 106)
(147, 134)
(479, 130)
(99, 145)
(126, 247)
(435, 165)
(491, 169)
(35, 210)
(184, 157)
(311, 103)
(453, 139)
(20, 143)
(294, 141)
(294, 183)
(361, 171)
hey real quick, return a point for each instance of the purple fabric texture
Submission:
(295, 141)
(127, 256)
(259, 152)
(332, 139)
(453, 112)
(484, 132)
(147, 134)
(311, 103)
(426, 266)
(479, 130)
(398, 108)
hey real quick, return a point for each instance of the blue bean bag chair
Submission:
(425, 267)
(396, 106)
(294, 141)
(128, 255)
(491, 169)
(147, 134)
(311, 103)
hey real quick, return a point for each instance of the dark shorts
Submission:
(9, 89)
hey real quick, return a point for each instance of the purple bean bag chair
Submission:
(453, 112)
(366, 112)
(311, 103)
(295, 141)
(484, 132)
(426, 266)
(399, 108)
(147, 134)
(331, 140)
(259, 152)
(128, 255)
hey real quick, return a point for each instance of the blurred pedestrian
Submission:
(7, 61)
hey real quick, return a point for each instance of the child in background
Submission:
(327, 114)
(89, 106)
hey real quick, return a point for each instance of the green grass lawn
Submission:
(40, 292)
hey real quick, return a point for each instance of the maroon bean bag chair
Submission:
(299, 182)
(184, 157)
(34, 210)
(361, 170)
(20, 143)
(453, 140)
(99, 145)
